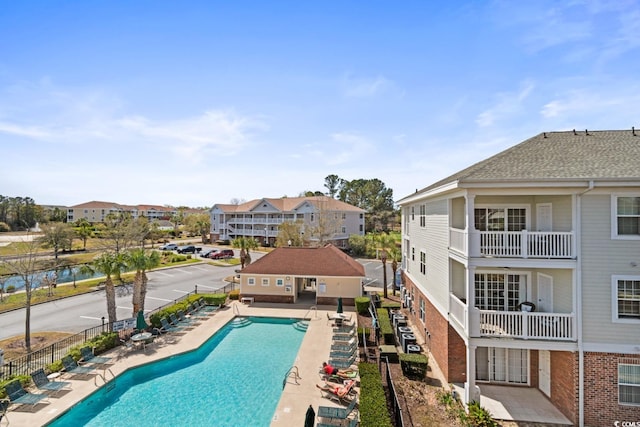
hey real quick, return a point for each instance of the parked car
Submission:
(188, 249)
(224, 253)
(169, 247)
(208, 253)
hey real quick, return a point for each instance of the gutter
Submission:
(579, 303)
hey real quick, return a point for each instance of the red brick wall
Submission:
(601, 406)
(445, 345)
(565, 383)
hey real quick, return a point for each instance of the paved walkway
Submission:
(295, 399)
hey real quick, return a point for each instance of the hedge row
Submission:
(385, 326)
(373, 401)
(210, 299)
(362, 305)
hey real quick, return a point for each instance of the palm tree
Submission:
(84, 230)
(385, 244)
(245, 244)
(107, 263)
(141, 261)
(394, 253)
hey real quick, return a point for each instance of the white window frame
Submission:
(422, 310)
(505, 207)
(614, 219)
(636, 383)
(615, 317)
(280, 282)
(423, 216)
(251, 281)
(265, 281)
(423, 262)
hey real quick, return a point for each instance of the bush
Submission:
(479, 416)
(234, 295)
(25, 380)
(414, 365)
(4, 227)
(54, 367)
(99, 344)
(385, 326)
(390, 305)
(11, 289)
(362, 305)
(373, 401)
(215, 299)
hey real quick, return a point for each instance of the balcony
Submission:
(514, 324)
(514, 244)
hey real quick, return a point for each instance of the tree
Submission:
(24, 264)
(177, 219)
(56, 235)
(374, 197)
(141, 261)
(83, 230)
(110, 264)
(326, 223)
(290, 234)
(333, 183)
(395, 254)
(121, 232)
(57, 215)
(245, 244)
(385, 243)
(199, 224)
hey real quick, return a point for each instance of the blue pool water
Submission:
(234, 379)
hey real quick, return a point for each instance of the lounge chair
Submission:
(42, 382)
(343, 338)
(188, 320)
(176, 323)
(344, 346)
(337, 354)
(344, 330)
(20, 396)
(89, 357)
(166, 327)
(336, 413)
(353, 422)
(342, 363)
(339, 393)
(209, 309)
(71, 367)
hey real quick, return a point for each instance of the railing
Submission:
(236, 310)
(458, 240)
(396, 409)
(458, 310)
(296, 376)
(312, 308)
(527, 325)
(527, 244)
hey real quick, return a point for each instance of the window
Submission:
(251, 281)
(344, 229)
(626, 299)
(423, 216)
(500, 219)
(361, 227)
(423, 262)
(413, 254)
(422, 310)
(627, 217)
(502, 292)
(629, 383)
(265, 281)
(344, 215)
(413, 213)
(279, 282)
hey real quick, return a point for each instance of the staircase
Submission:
(301, 325)
(240, 322)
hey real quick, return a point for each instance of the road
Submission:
(85, 311)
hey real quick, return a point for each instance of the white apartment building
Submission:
(523, 270)
(261, 218)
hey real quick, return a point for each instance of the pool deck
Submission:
(296, 397)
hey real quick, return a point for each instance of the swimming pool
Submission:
(233, 379)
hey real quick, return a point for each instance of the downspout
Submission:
(579, 303)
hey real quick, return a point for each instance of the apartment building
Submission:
(261, 219)
(523, 270)
(96, 211)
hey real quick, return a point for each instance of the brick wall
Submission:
(564, 383)
(457, 367)
(601, 406)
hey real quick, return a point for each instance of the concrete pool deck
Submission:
(296, 396)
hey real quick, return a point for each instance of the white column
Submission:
(470, 385)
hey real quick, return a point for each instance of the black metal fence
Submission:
(28, 363)
(396, 409)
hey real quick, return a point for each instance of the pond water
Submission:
(64, 275)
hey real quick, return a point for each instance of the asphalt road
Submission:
(85, 311)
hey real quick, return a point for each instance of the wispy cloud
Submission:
(366, 87)
(508, 104)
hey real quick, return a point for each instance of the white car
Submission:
(169, 247)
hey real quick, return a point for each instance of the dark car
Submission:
(189, 249)
(224, 253)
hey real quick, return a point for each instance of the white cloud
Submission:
(364, 87)
(507, 105)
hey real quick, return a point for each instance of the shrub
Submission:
(234, 295)
(390, 305)
(54, 367)
(479, 416)
(4, 227)
(11, 289)
(373, 401)
(25, 380)
(362, 305)
(414, 365)
(215, 299)
(385, 326)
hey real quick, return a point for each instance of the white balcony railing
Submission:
(527, 325)
(527, 244)
(458, 310)
(458, 240)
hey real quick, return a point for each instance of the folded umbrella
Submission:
(309, 419)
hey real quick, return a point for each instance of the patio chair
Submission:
(209, 309)
(342, 363)
(188, 320)
(344, 330)
(176, 323)
(344, 346)
(337, 392)
(20, 396)
(42, 382)
(72, 367)
(344, 338)
(167, 327)
(336, 413)
(89, 357)
(343, 355)
(353, 422)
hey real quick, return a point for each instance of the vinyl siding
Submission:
(562, 289)
(561, 208)
(436, 242)
(603, 257)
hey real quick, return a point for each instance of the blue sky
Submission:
(199, 102)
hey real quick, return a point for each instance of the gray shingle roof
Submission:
(559, 156)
